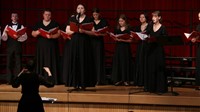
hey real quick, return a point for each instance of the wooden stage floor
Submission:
(109, 94)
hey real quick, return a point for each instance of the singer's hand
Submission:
(47, 70)
(193, 40)
(37, 32)
(16, 36)
(81, 30)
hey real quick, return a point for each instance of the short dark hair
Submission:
(47, 9)
(95, 10)
(30, 65)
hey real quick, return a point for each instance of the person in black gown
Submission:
(98, 46)
(47, 51)
(197, 59)
(66, 59)
(141, 53)
(81, 66)
(14, 48)
(30, 82)
(156, 79)
(122, 58)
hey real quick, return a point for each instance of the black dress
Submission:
(122, 68)
(31, 100)
(81, 66)
(98, 52)
(198, 61)
(156, 79)
(47, 51)
(140, 61)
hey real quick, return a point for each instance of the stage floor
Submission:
(109, 94)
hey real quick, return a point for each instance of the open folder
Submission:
(193, 34)
(52, 31)
(11, 32)
(120, 36)
(65, 35)
(139, 36)
(85, 26)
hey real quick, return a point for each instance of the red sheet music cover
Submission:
(65, 35)
(44, 33)
(120, 36)
(138, 35)
(87, 26)
(102, 30)
(193, 34)
(74, 27)
(11, 32)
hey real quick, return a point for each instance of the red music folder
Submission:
(138, 35)
(74, 27)
(102, 30)
(120, 36)
(44, 33)
(85, 26)
(193, 34)
(65, 35)
(11, 32)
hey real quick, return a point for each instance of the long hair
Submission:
(123, 16)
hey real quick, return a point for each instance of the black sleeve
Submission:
(36, 26)
(56, 24)
(16, 82)
(49, 82)
(70, 19)
(137, 29)
(105, 23)
(198, 28)
(164, 31)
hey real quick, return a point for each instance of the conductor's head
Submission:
(30, 65)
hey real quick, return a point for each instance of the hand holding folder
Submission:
(14, 34)
(44, 33)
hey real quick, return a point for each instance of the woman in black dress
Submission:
(197, 58)
(122, 58)
(141, 53)
(156, 79)
(30, 82)
(47, 52)
(98, 46)
(81, 67)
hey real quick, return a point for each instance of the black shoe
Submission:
(118, 83)
(83, 88)
(126, 83)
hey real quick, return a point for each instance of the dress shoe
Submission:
(118, 83)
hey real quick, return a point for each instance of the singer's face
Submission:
(95, 15)
(122, 22)
(80, 9)
(199, 16)
(155, 18)
(14, 17)
(47, 15)
(142, 18)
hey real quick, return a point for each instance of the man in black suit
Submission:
(14, 48)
